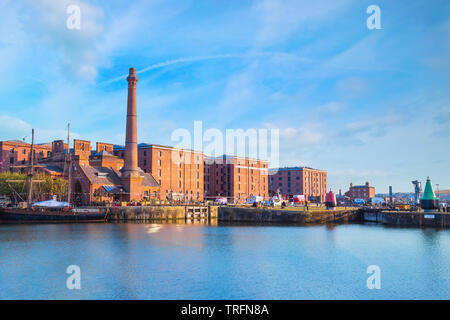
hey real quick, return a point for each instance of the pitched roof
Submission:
(101, 175)
(110, 176)
(47, 145)
(52, 168)
(149, 180)
(17, 141)
(103, 153)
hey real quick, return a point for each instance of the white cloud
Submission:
(352, 87)
(46, 24)
(236, 98)
(438, 47)
(371, 123)
(297, 136)
(443, 116)
(332, 106)
(12, 128)
(302, 136)
(279, 19)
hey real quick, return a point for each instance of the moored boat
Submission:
(49, 210)
(48, 214)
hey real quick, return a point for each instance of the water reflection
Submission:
(153, 228)
(186, 260)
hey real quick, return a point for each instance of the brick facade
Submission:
(82, 150)
(311, 183)
(179, 172)
(364, 192)
(236, 178)
(17, 153)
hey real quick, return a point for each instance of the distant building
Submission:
(15, 154)
(361, 192)
(236, 178)
(179, 172)
(289, 181)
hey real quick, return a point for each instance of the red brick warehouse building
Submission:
(236, 178)
(290, 181)
(17, 153)
(364, 192)
(179, 172)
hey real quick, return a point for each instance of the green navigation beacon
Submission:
(429, 200)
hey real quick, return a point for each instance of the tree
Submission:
(19, 186)
(41, 190)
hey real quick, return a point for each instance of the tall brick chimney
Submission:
(131, 178)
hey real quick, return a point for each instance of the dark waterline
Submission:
(179, 261)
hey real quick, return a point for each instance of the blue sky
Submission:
(365, 105)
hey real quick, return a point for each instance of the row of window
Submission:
(25, 151)
(180, 183)
(160, 155)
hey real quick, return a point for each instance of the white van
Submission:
(253, 199)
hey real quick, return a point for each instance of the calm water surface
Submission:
(170, 261)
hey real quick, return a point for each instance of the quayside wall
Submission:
(275, 215)
(167, 213)
(407, 218)
(234, 214)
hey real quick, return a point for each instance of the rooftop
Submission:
(149, 146)
(224, 156)
(23, 143)
(295, 169)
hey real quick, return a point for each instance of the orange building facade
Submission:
(364, 192)
(290, 181)
(16, 153)
(236, 178)
(179, 172)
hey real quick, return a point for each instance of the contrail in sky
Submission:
(194, 59)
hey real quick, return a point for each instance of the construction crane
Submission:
(417, 190)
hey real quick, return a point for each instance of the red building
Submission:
(16, 153)
(236, 178)
(364, 192)
(179, 172)
(290, 181)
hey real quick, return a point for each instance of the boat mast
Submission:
(69, 160)
(30, 174)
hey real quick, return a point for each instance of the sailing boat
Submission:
(50, 210)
